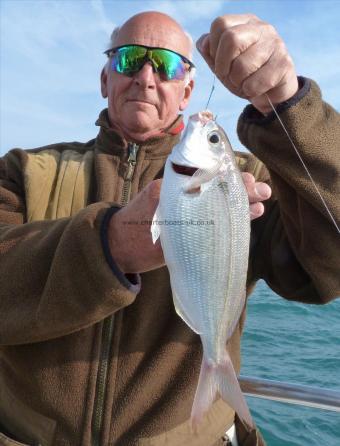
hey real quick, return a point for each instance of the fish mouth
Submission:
(184, 170)
(203, 117)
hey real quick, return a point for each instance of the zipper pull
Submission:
(133, 149)
(132, 159)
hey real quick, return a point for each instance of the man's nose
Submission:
(145, 77)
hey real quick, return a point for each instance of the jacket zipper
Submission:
(133, 150)
(108, 324)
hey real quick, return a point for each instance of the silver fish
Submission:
(204, 227)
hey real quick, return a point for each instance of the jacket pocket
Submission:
(19, 420)
(6, 441)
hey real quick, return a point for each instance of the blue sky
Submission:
(51, 58)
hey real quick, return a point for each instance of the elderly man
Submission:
(92, 351)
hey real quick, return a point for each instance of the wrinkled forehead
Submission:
(153, 31)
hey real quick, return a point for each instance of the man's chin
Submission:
(140, 121)
(136, 123)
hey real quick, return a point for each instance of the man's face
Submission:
(143, 105)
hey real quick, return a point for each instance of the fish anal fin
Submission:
(183, 314)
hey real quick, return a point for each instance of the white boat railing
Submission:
(284, 392)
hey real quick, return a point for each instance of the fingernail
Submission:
(263, 190)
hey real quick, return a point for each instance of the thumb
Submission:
(203, 46)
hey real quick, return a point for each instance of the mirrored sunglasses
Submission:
(129, 59)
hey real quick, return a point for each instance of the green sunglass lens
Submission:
(168, 63)
(130, 59)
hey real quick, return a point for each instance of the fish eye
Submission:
(214, 138)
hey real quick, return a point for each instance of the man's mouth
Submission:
(141, 101)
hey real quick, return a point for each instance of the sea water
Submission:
(296, 343)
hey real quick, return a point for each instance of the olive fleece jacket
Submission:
(91, 357)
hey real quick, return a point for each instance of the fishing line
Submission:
(211, 92)
(303, 163)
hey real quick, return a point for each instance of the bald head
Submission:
(142, 104)
(153, 29)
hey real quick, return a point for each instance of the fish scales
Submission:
(195, 252)
(203, 224)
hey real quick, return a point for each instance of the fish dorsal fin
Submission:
(183, 315)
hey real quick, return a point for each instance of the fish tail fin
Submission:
(230, 390)
(218, 379)
(206, 392)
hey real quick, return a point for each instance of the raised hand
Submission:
(250, 59)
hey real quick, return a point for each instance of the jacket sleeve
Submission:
(296, 245)
(55, 277)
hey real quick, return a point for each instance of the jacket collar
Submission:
(110, 141)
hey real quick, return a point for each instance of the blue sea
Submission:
(297, 343)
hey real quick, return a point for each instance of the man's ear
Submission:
(103, 82)
(187, 94)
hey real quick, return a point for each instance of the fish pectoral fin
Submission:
(200, 177)
(155, 227)
(206, 186)
(193, 185)
(183, 314)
